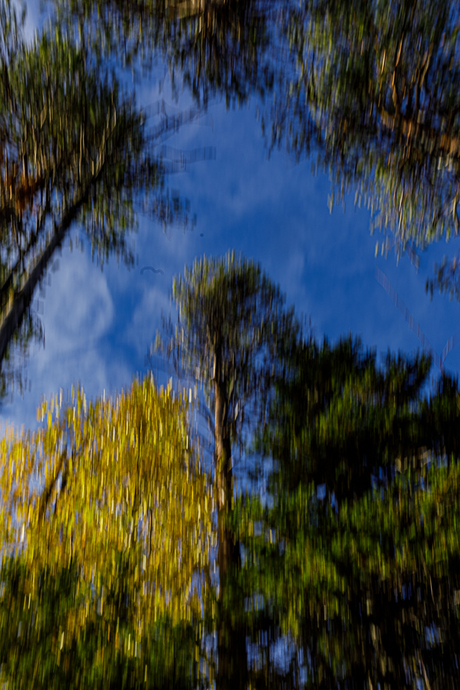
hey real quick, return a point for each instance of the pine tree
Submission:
(232, 322)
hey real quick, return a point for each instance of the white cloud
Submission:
(77, 314)
(78, 302)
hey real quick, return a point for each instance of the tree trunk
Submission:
(231, 637)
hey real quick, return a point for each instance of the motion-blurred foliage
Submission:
(106, 566)
(355, 555)
(351, 560)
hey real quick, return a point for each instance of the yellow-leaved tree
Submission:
(105, 530)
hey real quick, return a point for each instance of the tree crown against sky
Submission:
(347, 572)
(73, 147)
(125, 517)
(217, 46)
(338, 406)
(383, 87)
(121, 471)
(63, 129)
(367, 87)
(232, 324)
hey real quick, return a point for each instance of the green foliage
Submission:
(364, 580)
(373, 95)
(343, 416)
(70, 143)
(370, 87)
(68, 131)
(232, 325)
(217, 47)
(38, 650)
(73, 147)
(112, 551)
(231, 329)
(353, 559)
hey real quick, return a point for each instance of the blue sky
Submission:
(99, 325)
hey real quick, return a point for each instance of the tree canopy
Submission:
(217, 46)
(232, 321)
(375, 82)
(354, 553)
(110, 531)
(73, 147)
(367, 87)
(114, 546)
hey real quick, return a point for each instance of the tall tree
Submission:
(351, 558)
(232, 321)
(73, 147)
(111, 552)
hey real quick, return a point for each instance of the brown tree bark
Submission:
(231, 636)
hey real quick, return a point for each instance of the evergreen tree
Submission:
(355, 556)
(232, 321)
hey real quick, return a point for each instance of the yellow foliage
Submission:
(117, 478)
